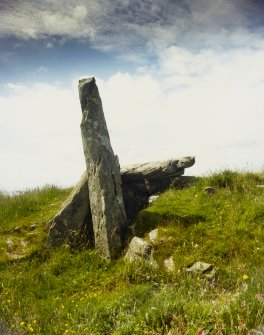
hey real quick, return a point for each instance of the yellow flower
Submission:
(245, 277)
(22, 323)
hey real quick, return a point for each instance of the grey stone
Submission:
(260, 298)
(9, 244)
(104, 180)
(169, 264)
(14, 257)
(73, 223)
(153, 235)
(157, 176)
(200, 268)
(209, 190)
(152, 198)
(5, 330)
(17, 229)
(23, 243)
(255, 332)
(33, 226)
(140, 250)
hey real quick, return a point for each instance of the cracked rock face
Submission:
(104, 181)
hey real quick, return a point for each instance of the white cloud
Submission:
(216, 114)
(205, 104)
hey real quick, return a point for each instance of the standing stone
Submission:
(103, 171)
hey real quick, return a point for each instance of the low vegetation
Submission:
(66, 291)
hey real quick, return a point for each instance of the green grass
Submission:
(67, 291)
(23, 219)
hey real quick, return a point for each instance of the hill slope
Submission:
(66, 291)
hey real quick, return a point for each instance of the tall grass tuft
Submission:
(29, 206)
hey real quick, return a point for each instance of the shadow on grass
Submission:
(147, 221)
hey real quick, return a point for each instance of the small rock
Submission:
(210, 275)
(260, 298)
(153, 198)
(140, 250)
(169, 264)
(4, 330)
(209, 190)
(32, 227)
(9, 243)
(23, 243)
(200, 268)
(17, 229)
(14, 256)
(153, 235)
(255, 332)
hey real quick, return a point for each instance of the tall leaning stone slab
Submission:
(104, 181)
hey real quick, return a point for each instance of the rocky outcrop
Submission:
(73, 223)
(103, 171)
(104, 202)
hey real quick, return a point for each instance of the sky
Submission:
(177, 78)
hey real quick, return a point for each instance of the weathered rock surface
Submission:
(153, 235)
(14, 257)
(169, 264)
(200, 268)
(5, 330)
(104, 180)
(73, 223)
(140, 250)
(9, 244)
(152, 198)
(157, 176)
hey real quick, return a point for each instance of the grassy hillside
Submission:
(66, 291)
